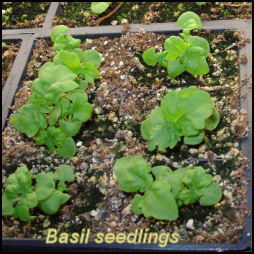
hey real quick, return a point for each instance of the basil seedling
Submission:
(58, 104)
(20, 196)
(185, 53)
(188, 112)
(164, 190)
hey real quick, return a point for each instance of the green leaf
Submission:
(89, 72)
(56, 135)
(194, 61)
(81, 110)
(196, 180)
(197, 41)
(19, 182)
(175, 68)
(53, 203)
(99, 7)
(45, 186)
(189, 20)
(65, 106)
(65, 42)
(31, 199)
(92, 56)
(27, 120)
(159, 132)
(57, 89)
(136, 204)
(133, 174)
(211, 195)
(159, 202)
(150, 57)
(195, 139)
(189, 196)
(64, 173)
(162, 58)
(22, 211)
(54, 114)
(70, 128)
(161, 171)
(50, 73)
(69, 59)
(182, 113)
(58, 30)
(212, 122)
(68, 149)
(174, 46)
(40, 87)
(7, 205)
(175, 180)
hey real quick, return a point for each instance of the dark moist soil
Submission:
(122, 97)
(23, 14)
(9, 52)
(75, 14)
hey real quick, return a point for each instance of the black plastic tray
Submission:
(28, 36)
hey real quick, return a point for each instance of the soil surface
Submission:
(9, 52)
(23, 14)
(76, 14)
(122, 97)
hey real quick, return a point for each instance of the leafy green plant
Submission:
(99, 7)
(20, 196)
(164, 190)
(188, 112)
(58, 104)
(185, 53)
(200, 3)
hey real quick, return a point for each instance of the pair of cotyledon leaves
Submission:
(19, 196)
(187, 54)
(168, 191)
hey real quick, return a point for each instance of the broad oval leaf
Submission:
(161, 171)
(197, 41)
(45, 186)
(150, 57)
(92, 56)
(133, 174)
(211, 195)
(64, 173)
(159, 202)
(58, 30)
(189, 20)
(53, 203)
(99, 7)
(70, 128)
(68, 149)
(175, 68)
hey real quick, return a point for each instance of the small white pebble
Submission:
(189, 224)
(122, 76)
(121, 63)
(112, 63)
(94, 212)
(79, 144)
(105, 42)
